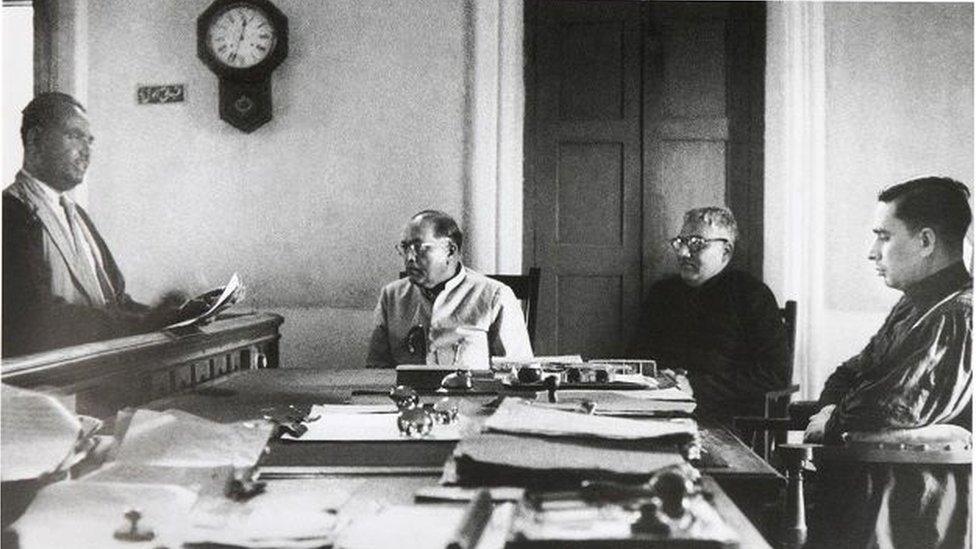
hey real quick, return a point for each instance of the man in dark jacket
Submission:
(720, 324)
(61, 285)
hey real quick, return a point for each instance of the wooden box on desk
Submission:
(422, 377)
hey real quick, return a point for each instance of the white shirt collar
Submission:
(50, 194)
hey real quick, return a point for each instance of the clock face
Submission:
(241, 36)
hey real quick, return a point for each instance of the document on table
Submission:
(290, 514)
(521, 417)
(82, 515)
(38, 433)
(511, 459)
(626, 403)
(422, 527)
(338, 426)
(229, 295)
(177, 439)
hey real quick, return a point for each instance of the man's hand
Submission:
(818, 422)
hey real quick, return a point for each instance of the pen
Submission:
(473, 522)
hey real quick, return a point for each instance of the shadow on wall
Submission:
(326, 338)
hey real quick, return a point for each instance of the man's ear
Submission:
(33, 136)
(927, 238)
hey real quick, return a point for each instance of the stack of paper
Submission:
(174, 468)
(650, 403)
(522, 417)
(39, 434)
(528, 445)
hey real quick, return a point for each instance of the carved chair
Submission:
(901, 488)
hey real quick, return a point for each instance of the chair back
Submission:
(526, 290)
(788, 312)
(776, 405)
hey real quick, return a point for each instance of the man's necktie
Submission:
(85, 247)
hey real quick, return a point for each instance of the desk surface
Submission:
(244, 395)
(248, 394)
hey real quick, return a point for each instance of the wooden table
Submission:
(755, 487)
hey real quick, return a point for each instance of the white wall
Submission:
(368, 128)
(896, 102)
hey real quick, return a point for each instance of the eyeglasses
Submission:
(695, 243)
(418, 248)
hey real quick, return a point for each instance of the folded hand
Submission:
(818, 423)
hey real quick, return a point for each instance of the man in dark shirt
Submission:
(721, 325)
(916, 370)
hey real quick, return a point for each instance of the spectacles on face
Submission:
(418, 248)
(695, 243)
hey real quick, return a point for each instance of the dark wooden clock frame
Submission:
(245, 93)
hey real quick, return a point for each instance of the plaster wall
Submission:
(897, 103)
(368, 128)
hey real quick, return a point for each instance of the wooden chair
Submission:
(763, 435)
(894, 466)
(526, 290)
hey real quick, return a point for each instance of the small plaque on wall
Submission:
(158, 95)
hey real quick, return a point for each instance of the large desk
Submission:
(754, 486)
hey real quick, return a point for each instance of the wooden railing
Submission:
(106, 376)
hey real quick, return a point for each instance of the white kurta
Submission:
(472, 319)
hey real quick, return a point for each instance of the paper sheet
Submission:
(291, 514)
(319, 409)
(424, 526)
(199, 480)
(38, 433)
(519, 456)
(178, 439)
(231, 294)
(369, 426)
(626, 403)
(83, 515)
(520, 417)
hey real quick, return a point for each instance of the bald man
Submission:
(442, 312)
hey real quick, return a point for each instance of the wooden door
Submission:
(635, 112)
(587, 171)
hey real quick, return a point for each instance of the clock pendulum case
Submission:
(243, 41)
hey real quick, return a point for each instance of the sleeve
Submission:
(840, 382)
(507, 334)
(844, 377)
(379, 354)
(766, 340)
(929, 383)
(34, 319)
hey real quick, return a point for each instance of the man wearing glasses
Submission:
(61, 285)
(443, 313)
(720, 324)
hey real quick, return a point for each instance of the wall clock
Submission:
(243, 41)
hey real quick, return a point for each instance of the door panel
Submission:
(587, 168)
(636, 112)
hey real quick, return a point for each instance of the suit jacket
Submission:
(47, 299)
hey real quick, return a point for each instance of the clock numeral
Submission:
(260, 47)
